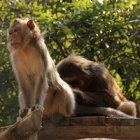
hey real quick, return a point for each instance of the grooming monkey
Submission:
(94, 86)
(37, 77)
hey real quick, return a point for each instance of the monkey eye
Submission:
(10, 33)
(15, 30)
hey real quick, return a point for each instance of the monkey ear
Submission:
(31, 24)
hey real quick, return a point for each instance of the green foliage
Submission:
(106, 32)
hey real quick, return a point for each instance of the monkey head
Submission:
(74, 71)
(21, 33)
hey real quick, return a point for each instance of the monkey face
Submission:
(14, 35)
(74, 82)
(21, 33)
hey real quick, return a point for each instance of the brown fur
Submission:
(93, 85)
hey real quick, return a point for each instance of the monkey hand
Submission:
(23, 112)
(27, 111)
(36, 107)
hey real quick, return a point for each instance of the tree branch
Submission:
(26, 129)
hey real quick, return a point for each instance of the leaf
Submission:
(66, 30)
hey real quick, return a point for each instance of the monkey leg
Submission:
(129, 108)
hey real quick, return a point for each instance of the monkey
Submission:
(39, 83)
(94, 86)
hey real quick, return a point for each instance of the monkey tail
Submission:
(105, 111)
(111, 112)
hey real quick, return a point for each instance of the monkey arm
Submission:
(41, 89)
(26, 99)
(95, 99)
